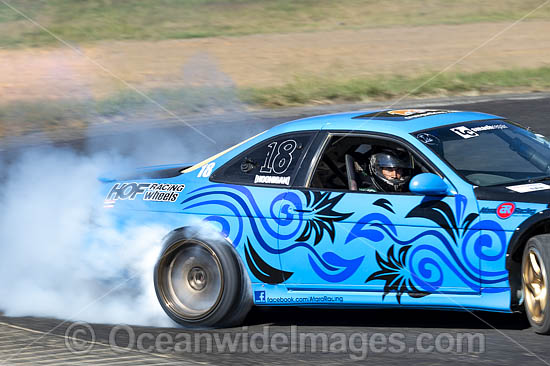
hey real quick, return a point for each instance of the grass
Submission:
(80, 21)
(36, 116)
(311, 90)
(27, 117)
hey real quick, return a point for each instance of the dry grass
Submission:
(268, 52)
(31, 116)
(95, 20)
(323, 90)
(268, 60)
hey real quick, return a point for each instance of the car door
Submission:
(400, 243)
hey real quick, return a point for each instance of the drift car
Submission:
(283, 219)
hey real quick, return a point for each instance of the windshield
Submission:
(490, 152)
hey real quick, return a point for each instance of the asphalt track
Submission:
(506, 338)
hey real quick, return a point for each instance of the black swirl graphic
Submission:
(385, 204)
(324, 216)
(263, 271)
(394, 272)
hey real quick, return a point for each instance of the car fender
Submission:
(524, 231)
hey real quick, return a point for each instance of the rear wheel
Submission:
(535, 275)
(201, 284)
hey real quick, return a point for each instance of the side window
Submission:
(272, 162)
(365, 164)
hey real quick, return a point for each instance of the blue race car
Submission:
(396, 208)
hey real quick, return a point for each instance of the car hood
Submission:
(503, 193)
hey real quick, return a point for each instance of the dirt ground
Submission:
(267, 60)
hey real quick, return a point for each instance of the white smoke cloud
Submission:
(60, 253)
(57, 262)
(54, 262)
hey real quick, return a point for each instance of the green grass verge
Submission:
(25, 117)
(309, 90)
(94, 20)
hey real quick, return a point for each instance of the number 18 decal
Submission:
(278, 159)
(206, 170)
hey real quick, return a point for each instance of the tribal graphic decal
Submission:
(263, 271)
(385, 204)
(419, 267)
(244, 210)
(440, 213)
(324, 216)
(394, 271)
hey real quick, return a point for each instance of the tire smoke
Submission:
(60, 255)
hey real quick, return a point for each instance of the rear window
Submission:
(273, 162)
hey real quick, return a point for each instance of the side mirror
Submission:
(428, 184)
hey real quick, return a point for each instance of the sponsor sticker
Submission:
(464, 132)
(505, 210)
(500, 126)
(428, 139)
(404, 114)
(259, 296)
(415, 113)
(531, 187)
(469, 132)
(157, 192)
(268, 179)
(517, 211)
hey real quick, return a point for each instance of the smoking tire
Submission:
(201, 284)
(535, 276)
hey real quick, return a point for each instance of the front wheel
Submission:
(201, 284)
(535, 275)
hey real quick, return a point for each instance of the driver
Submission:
(388, 172)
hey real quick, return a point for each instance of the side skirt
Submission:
(278, 295)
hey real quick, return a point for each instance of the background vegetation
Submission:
(97, 20)
(91, 22)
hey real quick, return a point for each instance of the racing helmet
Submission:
(390, 159)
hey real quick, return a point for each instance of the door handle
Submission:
(297, 211)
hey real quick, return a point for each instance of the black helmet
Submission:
(389, 159)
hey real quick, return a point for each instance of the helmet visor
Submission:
(385, 160)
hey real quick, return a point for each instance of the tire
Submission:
(201, 284)
(535, 273)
